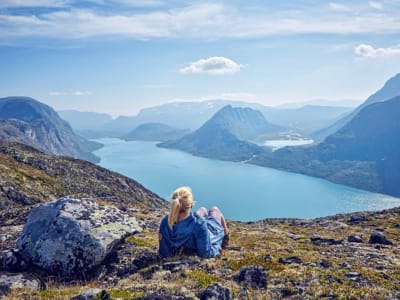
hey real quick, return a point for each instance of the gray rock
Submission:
(216, 292)
(353, 276)
(320, 241)
(10, 260)
(252, 276)
(354, 239)
(92, 294)
(176, 266)
(322, 263)
(163, 297)
(71, 236)
(379, 238)
(290, 260)
(358, 218)
(10, 282)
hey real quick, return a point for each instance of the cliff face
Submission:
(30, 122)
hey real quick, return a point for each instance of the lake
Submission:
(277, 144)
(243, 192)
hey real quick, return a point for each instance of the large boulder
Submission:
(71, 236)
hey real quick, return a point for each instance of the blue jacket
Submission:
(202, 235)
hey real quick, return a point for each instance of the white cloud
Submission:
(140, 3)
(338, 6)
(205, 21)
(75, 93)
(32, 3)
(376, 5)
(371, 52)
(216, 65)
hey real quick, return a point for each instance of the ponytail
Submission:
(174, 212)
(182, 199)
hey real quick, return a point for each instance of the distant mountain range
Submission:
(225, 136)
(82, 120)
(390, 90)
(155, 132)
(363, 154)
(192, 115)
(30, 122)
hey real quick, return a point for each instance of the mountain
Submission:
(372, 135)
(225, 136)
(80, 120)
(192, 115)
(305, 119)
(30, 122)
(178, 114)
(390, 90)
(155, 132)
(29, 176)
(364, 153)
(88, 124)
(350, 103)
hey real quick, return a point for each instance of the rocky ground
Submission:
(352, 256)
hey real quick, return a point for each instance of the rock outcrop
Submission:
(71, 236)
(10, 282)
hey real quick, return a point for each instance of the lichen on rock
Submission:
(71, 236)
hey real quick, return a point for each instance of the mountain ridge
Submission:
(31, 122)
(224, 135)
(155, 132)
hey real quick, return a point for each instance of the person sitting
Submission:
(182, 231)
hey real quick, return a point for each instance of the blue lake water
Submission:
(243, 192)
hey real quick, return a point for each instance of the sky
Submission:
(118, 56)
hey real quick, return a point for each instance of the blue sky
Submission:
(118, 56)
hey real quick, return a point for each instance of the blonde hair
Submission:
(182, 200)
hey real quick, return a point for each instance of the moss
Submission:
(56, 294)
(138, 242)
(124, 294)
(201, 278)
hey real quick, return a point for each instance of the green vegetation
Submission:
(201, 278)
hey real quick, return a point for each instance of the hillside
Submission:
(28, 176)
(225, 135)
(155, 132)
(30, 122)
(362, 154)
(391, 89)
(353, 256)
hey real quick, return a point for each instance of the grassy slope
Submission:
(28, 176)
(378, 267)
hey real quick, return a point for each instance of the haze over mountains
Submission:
(155, 132)
(192, 115)
(30, 122)
(390, 90)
